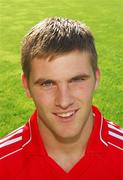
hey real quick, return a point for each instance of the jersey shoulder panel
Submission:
(113, 134)
(14, 141)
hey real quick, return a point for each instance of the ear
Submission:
(97, 77)
(25, 83)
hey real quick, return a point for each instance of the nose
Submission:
(64, 98)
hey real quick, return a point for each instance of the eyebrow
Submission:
(84, 76)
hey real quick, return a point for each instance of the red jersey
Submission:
(24, 157)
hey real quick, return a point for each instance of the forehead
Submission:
(62, 66)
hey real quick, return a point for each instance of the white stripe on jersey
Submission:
(115, 146)
(101, 126)
(11, 135)
(12, 141)
(115, 135)
(21, 148)
(10, 153)
(15, 130)
(115, 128)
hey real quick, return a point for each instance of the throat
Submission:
(67, 155)
(67, 161)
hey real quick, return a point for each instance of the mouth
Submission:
(66, 116)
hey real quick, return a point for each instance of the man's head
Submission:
(59, 61)
(56, 36)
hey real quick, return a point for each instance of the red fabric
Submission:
(26, 158)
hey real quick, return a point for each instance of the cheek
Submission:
(83, 90)
(43, 99)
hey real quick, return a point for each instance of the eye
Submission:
(47, 84)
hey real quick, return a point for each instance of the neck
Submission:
(65, 151)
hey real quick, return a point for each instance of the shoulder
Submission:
(14, 142)
(112, 135)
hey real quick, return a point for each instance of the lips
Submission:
(67, 114)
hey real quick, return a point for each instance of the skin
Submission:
(65, 84)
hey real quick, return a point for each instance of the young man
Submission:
(66, 138)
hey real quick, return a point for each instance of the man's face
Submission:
(62, 91)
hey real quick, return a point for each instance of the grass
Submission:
(104, 19)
